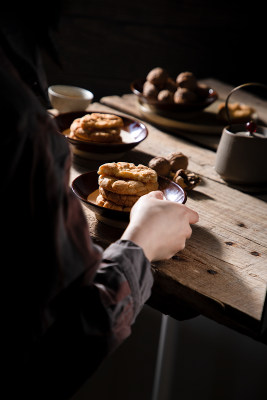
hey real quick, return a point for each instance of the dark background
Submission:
(104, 45)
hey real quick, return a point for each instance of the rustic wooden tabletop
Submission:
(222, 272)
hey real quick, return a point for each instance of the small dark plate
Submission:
(206, 98)
(87, 184)
(133, 133)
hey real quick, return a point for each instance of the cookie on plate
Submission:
(101, 201)
(121, 184)
(125, 200)
(238, 113)
(126, 170)
(101, 136)
(129, 186)
(98, 128)
(96, 121)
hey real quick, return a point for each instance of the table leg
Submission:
(165, 358)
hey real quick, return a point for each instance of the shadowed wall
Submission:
(105, 45)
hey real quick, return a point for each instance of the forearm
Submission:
(129, 260)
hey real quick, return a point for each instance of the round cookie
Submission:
(105, 135)
(129, 187)
(123, 200)
(96, 121)
(131, 171)
(101, 201)
(75, 125)
(102, 136)
(238, 113)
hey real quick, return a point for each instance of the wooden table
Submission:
(222, 272)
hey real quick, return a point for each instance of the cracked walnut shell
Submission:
(186, 179)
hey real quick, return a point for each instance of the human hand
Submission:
(159, 226)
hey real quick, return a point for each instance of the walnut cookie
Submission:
(101, 136)
(98, 128)
(96, 121)
(129, 186)
(103, 202)
(129, 171)
(126, 200)
(238, 113)
(121, 184)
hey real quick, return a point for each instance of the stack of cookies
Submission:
(121, 184)
(98, 128)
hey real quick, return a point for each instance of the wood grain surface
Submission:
(222, 271)
(128, 103)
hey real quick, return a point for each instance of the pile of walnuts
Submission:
(184, 89)
(174, 167)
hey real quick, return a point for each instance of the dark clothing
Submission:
(68, 304)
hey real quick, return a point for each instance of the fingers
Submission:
(161, 228)
(156, 194)
(189, 232)
(193, 216)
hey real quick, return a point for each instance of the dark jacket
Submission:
(67, 303)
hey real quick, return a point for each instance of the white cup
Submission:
(65, 98)
(240, 157)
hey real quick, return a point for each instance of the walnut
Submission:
(193, 179)
(171, 85)
(160, 165)
(184, 95)
(157, 76)
(165, 96)
(177, 161)
(150, 90)
(180, 179)
(187, 80)
(186, 179)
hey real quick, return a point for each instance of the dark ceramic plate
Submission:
(207, 96)
(87, 185)
(133, 133)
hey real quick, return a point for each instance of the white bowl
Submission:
(65, 98)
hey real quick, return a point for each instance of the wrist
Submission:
(137, 236)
